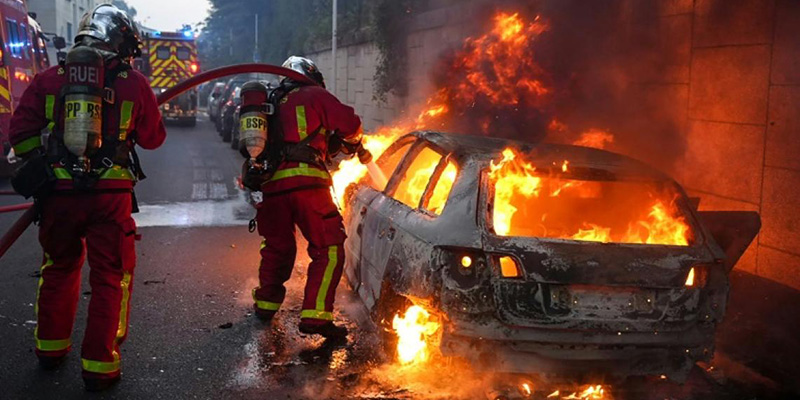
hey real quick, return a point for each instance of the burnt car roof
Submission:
(484, 149)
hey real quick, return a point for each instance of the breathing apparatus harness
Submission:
(88, 145)
(267, 148)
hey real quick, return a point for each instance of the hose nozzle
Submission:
(364, 156)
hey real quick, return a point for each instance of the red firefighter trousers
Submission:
(314, 212)
(73, 226)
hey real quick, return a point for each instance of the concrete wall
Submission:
(431, 34)
(728, 72)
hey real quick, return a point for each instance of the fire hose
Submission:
(29, 216)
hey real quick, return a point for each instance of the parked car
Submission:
(214, 99)
(532, 299)
(226, 121)
(227, 95)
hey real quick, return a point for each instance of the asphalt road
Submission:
(193, 335)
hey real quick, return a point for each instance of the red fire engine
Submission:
(23, 53)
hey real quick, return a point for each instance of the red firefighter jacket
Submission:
(135, 109)
(302, 112)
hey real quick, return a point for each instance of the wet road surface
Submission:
(193, 334)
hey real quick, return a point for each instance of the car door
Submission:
(364, 224)
(394, 217)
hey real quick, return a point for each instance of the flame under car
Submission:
(590, 264)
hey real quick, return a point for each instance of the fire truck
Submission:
(23, 54)
(169, 58)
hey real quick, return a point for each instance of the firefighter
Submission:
(96, 108)
(308, 118)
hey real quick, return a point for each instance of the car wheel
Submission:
(226, 134)
(388, 305)
(235, 141)
(191, 123)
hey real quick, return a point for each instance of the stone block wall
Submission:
(725, 72)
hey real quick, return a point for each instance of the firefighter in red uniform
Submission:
(309, 118)
(87, 211)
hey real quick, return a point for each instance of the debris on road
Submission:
(227, 325)
(155, 282)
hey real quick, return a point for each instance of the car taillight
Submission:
(194, 68)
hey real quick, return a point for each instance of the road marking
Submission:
(218, 191)
(200, 191)
(233, 212)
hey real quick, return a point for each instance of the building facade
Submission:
(61, 17)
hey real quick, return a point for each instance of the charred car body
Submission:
(535, 302)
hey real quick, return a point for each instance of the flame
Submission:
(415, 330)
(595, 138)
(496, 67)
(351, 170)
(514, 178)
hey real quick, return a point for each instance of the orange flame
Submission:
(415, 331)
(595, 138)
(516, 180)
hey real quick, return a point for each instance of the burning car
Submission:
(555, 260)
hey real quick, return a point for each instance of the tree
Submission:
(123, 5)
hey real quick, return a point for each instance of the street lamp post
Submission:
(333, 46)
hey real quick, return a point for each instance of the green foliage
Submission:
(391, 31)
(289, 27)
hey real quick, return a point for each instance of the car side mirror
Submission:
(59, 42)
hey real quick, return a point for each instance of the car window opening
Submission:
(388, 163)
(527, 204)
(435, 197)
(415, 178)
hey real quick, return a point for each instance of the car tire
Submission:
(191, 123)
(226, 134)
(235, 141)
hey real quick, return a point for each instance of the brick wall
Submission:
(725, 72)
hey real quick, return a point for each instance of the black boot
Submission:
(100, 384)
(51, 363)
(264, 315)
(327, 330)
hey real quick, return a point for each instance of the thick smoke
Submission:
(604, 65)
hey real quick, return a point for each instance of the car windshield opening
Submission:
(529, 203)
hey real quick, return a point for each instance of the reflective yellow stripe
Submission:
(268, 305)
(47, 263)
(27, 145)
(101, 367)
(333, 259)
(53, 345)
(265, 305)
(314, 314)
(114, 173)
(117, 173)
(291, 172)
(49, 110)
(263, 245)
(302, 124)
(62, 173)
(125, 119)
(125, 284)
